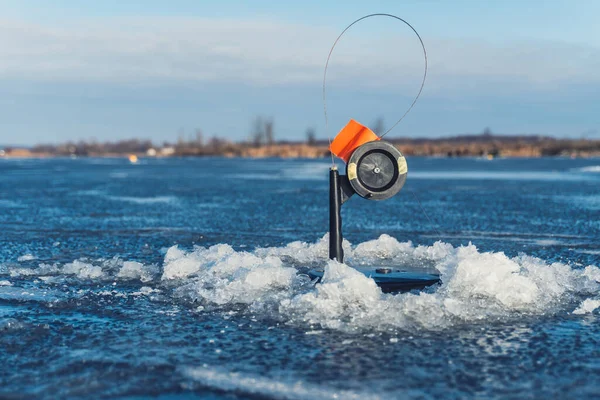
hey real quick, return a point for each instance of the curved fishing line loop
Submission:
(403, 115)
(333, 47)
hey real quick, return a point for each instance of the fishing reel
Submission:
(376, 170)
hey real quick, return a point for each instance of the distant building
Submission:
(167, 151)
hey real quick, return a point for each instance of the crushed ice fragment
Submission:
(82, 270)
(26, 257)
(587, 306)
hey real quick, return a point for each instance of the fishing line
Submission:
(333, 47)
(425, 213)
(403, 115)
(332, 159)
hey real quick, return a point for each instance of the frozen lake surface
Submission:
(185, 278)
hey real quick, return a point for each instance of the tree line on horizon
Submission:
(262, 134)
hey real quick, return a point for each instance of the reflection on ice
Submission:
(591, 168)
(263, 387)
(501, 175)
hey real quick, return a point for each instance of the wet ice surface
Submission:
(185, 278)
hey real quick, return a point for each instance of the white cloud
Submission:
(265, 52)
(164, 48)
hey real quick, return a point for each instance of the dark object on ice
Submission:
(393, 281)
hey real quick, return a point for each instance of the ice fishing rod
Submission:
(375, 170)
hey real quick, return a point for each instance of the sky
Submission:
(118, 69)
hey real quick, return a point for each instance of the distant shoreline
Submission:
(487, 146)
(326, 157)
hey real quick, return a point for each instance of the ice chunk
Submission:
(587, 306)
(137, 270)
(82, 270)
(223, 276)
(26, 257)
(179, 264)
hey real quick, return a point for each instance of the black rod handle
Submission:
(335, 219)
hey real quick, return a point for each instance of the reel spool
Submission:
(376, 170)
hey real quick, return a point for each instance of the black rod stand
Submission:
(335, 219)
